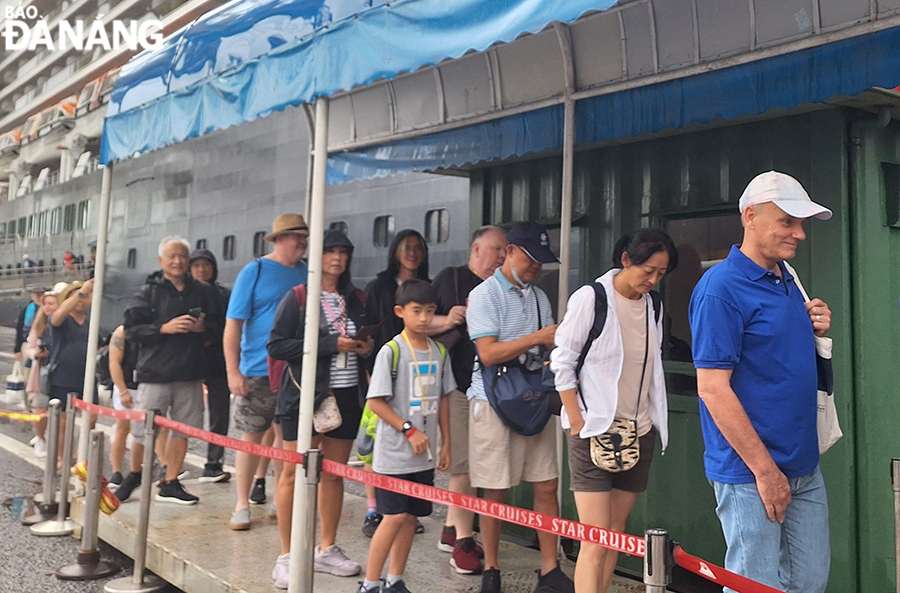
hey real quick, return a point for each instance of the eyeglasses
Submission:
(417, 248)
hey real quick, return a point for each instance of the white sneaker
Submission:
(40, 448)
(334, 561)
(33, 440)
(281, 571)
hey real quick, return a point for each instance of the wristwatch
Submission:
(407, 426)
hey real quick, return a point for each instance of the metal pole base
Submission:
(89, 566)
(151, 584)
(54, 528)
(42, 514)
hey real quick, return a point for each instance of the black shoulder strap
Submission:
(600, 312)
(657, 304)
(255, 282)
(459, 300)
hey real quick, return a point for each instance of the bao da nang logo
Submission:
(24, 28)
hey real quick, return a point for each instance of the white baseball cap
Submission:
(785, 192)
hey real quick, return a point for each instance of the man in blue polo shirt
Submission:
(755, 355)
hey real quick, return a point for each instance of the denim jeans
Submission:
(794, 556)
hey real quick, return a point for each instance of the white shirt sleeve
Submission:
(571, 335)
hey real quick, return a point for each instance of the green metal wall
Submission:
(622, 187)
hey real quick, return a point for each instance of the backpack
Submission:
(103, 376)
(600, 313)
(276, 367)
(365, 436)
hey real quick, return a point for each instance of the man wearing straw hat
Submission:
(259, 287)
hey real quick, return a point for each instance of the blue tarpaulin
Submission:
(251, 57)
(787, 81)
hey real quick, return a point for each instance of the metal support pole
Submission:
(89, 565)
(138, 582)
(303, 522)
(62, 525)
(47, 507)
(895, 479)
(90, 362)
(656, 560)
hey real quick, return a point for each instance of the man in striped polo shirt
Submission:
(509, 317)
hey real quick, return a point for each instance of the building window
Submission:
(260, 245)
(2, 231)
(55, 220)
(340, 225)
(69, 218)
(132, 258)
(21, 227)
(437, 225)
(384, 230)
(201, 243)
(32, 229)
(11, 229)
(228, 248)
(42, 223)
(84, 214)
(702, 242)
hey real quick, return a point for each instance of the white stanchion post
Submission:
(47, 507)
(89, 566)
(62, 525)
(656, 560)
(303, 522)
(139, 582)
(90, 362)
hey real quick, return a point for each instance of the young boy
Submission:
(410, 406)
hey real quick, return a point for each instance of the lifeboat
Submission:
(96, 92)
(9, 142)
(56, 117)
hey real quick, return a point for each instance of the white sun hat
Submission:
(785, 192)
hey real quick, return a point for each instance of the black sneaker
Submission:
(129, 483)
(371, 524)
(419, 527)
(398, 587)
(214, 473)
(114, 481)
(555, 581)
(258, 494)
(175, 493)
(490, 581)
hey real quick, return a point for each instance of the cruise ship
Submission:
(220, 191)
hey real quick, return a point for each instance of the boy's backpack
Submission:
(276, 367)
(365, 436)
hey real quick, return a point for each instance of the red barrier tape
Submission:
(621, 542)
(133, 415)
(719, 575)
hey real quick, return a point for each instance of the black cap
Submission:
(532, 238)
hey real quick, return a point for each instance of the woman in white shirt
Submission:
(621, 380)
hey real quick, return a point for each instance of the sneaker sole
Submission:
(444, 547)
(173, 500)
(336, 572)
(239, 526)
(463, 570)
(210, 479)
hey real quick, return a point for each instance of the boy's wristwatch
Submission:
(407, 426)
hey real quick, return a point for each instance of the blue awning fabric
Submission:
(812, 75)
(249, 58)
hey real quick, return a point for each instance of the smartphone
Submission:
(195, 311)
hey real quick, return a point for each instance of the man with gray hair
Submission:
(755, 352)
(170, 317)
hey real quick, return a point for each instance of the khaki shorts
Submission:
(181, 401)
(459, 432)
(255, 411)
(500, 458)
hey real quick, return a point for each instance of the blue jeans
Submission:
(794, 556)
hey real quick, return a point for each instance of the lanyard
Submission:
(418, 376)
(339, 320)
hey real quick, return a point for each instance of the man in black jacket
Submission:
(171, 318)
(218, 397)
(25, 319)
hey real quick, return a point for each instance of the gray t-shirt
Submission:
(415, 396)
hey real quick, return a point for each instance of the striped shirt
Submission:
(340, 377)
(498, 308)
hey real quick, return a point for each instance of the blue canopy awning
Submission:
(252, 57)
(843, 68)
